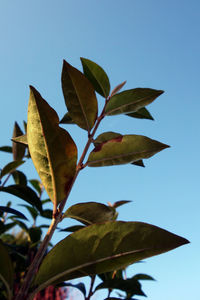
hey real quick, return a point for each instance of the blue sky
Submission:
(151, 44)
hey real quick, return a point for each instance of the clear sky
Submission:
(153, 44)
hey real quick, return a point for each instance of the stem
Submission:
(57, 217)
(91, 288)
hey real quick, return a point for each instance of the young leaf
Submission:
(25, 193)
(80, 97)
(12, 211)
(97, 76)
(101, 248)
(90, 212)
(7, 149)
(6, 270)
(117, 88)
(10, 167)
(131, 101)
(106, 136)
(66, 119)
(18, 149)
(124, 149)
(142, 113)
(52, 149)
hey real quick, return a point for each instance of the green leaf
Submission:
(12, 211)
(72, 228)
(139, 163)
(143, 277)
(7, 149)
(52, 149)
(47, 213)
(124, 149)
(101, 248)
(120, 203)
(131, 286)
(142, 113)
(97, 76)
(80, 97)
(106, 136)
(67, 119)
(131, 101)
(37, 185)
(10, 167)
(22, 139)
(90, 212)
(25, 193)
(19, 177)
(117, 88)
(18, 149)
(33, 212)
(6, 270)
(35, 234)
(6, 227)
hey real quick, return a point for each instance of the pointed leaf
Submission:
(106, 136)
(12, 211)
(143, 277)
(131, 101)
(80, 97)
(22, 139)
(7, 149)
(47, 213)
(6, 270)
(72, 228)
(18, 149)
(142, 113)
(6, 227)
(10, 167)
(37, 185)
(117, 88)
(104, 247)
(90, 212)
(19, 177)
(23, 192)
(33, 212)
(52, 149)
(120, 203)
(97, 76)
(139, 163)
(67, 119)
(124, 149)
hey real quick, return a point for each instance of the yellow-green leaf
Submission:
(124, 149)
(80, 97)
(131, 101)
(97, 76)
(101, 248)
(52, 149)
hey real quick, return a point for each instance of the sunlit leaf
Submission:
(97, 76)
(23, 192)
(12, 211)
(117, 88)
(106, 136)
(131, 101)
(6, 270)
(101, 248)
(52, 149)
(22, 139)
(7, 149)
(142, 113)
(19, 177)
(124, 149)
(79, 97)
(10, 167)
(66, 119)
(90, 212)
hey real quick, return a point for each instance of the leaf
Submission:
(37, 185)
(6, 270)
(143, 277)
(12, 211)
(106, 136)
(18, 149)
(7, 149)
(142, 113)
(10, 167)
(72, 228)
(52, 149)
(120, 203)
(47, 213)
(124, 149)
(117, 88)
(90, 212)
(6, 227)
(22, 139)
(33, 212)
(67, 119)
(139, 163)
(97, 76)
(80, 97)
(19, 177)
(80, 286)
(101, 248)
(35, 234)
(25, 193)
(131, 101)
